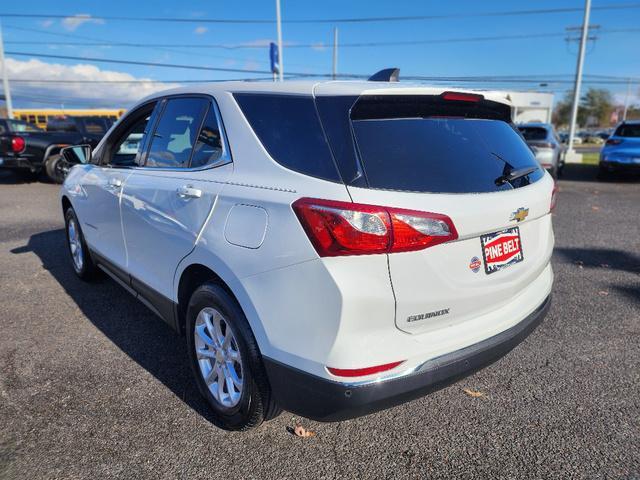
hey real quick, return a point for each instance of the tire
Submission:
(237, 408)
(84, 268)
(53, 168)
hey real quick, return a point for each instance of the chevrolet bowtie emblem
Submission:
(520, 214)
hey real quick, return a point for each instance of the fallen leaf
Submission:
(300, 431)
(595, 208)
(473, 393)
(603, 293)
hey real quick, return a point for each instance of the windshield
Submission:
(628, 130)
(18, 126)
(533, 133)
(445, 155)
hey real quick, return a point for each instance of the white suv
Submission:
(330, 248)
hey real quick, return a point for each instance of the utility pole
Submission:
(279, 26)
(626, 100)
(578, 81)
(335, 52)
(5, 78)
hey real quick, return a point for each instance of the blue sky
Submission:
(615, 54)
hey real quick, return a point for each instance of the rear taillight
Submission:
(361, 372)
(343, 228)
(613, 141)
(462, 97)
(17, 144)
(554, 197)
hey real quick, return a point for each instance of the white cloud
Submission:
(46, 23)
(89, 94)
(73, 22)
(200, 30)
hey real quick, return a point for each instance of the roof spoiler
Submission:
(386, 75)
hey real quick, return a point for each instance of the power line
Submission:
(310, 45)
(133, 62)
(402, 18)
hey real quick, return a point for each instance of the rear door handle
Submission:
(115, 182)
(187, 191)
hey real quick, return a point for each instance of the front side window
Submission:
(176, 133)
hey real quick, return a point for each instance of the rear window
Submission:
(289, 129)
(629, 130)
(18, 126)
(533, 133)
(97, 126)
(444, 155)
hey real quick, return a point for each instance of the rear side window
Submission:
(289, 129)
(533, 133)
(628, 130)
(175, 134)
(444, 155)
(210, 147)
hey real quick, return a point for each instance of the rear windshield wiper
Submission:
(514, 175)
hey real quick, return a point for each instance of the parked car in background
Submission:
(331, 249)
(621, 152)
(30, 150)
(85, 125)
(544, 141)
(564, 138)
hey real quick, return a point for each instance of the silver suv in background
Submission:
(546, 145)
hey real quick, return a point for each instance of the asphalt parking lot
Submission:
(93, 385)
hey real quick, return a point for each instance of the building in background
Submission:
(530, 107)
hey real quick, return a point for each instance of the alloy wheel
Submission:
(218, 357)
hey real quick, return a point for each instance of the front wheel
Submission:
(226, 361)
(81, 260)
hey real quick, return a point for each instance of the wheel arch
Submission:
(202, 266)
(66, 204)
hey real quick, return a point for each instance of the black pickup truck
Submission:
(29, 150)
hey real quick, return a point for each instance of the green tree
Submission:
(596, 104)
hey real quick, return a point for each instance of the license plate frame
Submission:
(493, 246)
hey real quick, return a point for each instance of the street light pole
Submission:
(279, 26)
(626, 100)
(335, 52)
(5, 78)
(578, 81)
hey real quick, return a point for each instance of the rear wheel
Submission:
(226, 361)
(55, 168)
(81, 260)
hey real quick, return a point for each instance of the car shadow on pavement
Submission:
(122, 319)
(601, 258)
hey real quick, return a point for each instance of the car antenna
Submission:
(386, 75)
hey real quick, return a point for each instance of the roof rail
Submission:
(386, 75)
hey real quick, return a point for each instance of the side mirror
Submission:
(77, 154)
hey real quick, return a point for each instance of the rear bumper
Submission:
(18, 163)
(613, 166)
(325, 400)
